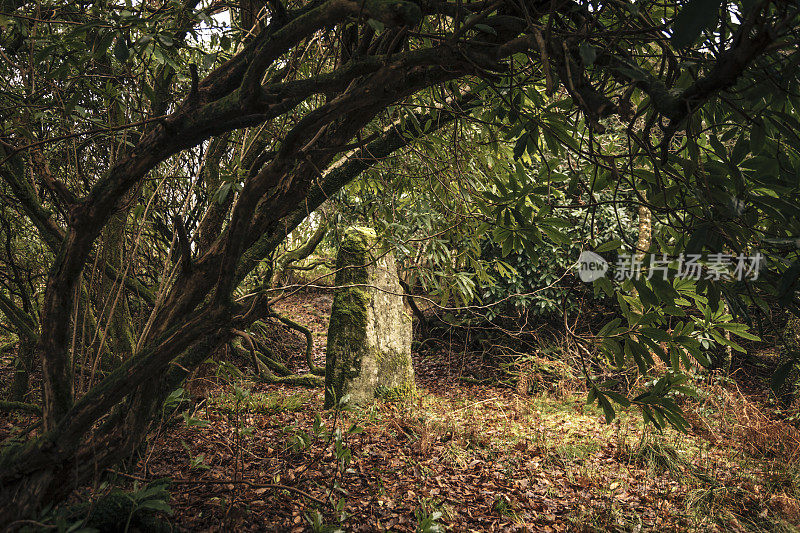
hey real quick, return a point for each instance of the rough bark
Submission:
(112, 297)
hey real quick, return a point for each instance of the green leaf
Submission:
(222, 192)
(166, 40)
(519, 147)
(508, 245)
(788, 280)
(376, 25)
(646, 296)
(619, 398)
(588, 53)
(485, 28)
(696, 16)
(757, 138)
(780, 375)
(686, 390)
(740, 330)
(156, 505)
(641, 356)
(121, 51)
(605, 285)
(675, 417)
(610, 245)
(655, 334)
(608, 409)
(555, 235)
(719, 148)
(606, 329)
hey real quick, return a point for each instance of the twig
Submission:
(251, 485)
(312, 368)
(20, 523)
(226, 482)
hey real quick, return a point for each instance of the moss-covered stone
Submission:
(369, 336)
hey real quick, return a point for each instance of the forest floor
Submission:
(249, 456)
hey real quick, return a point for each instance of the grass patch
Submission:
(562, 455)
(655, 453)
(260, 402)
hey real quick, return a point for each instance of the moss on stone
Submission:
(390, 361)
(346, 334)
(355, 255)
(369, 336)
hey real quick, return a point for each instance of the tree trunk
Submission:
(112, 296)
(645, 229)
(23, 366)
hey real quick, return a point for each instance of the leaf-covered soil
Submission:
(485, 459)
(249, 456)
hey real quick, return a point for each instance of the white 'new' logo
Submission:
(591, 266)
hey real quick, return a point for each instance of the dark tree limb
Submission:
(283, 262)
(251, 347)
(9, 406)
(304, 380)
(271, 371)
(423, 320)
(272, 364)
(25, 324)
(185, 247)
(314, 369)
(393, 139)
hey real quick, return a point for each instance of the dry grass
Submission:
(744, 424)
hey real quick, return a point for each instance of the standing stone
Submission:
(369, 336)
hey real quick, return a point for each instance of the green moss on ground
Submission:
(397, 393)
